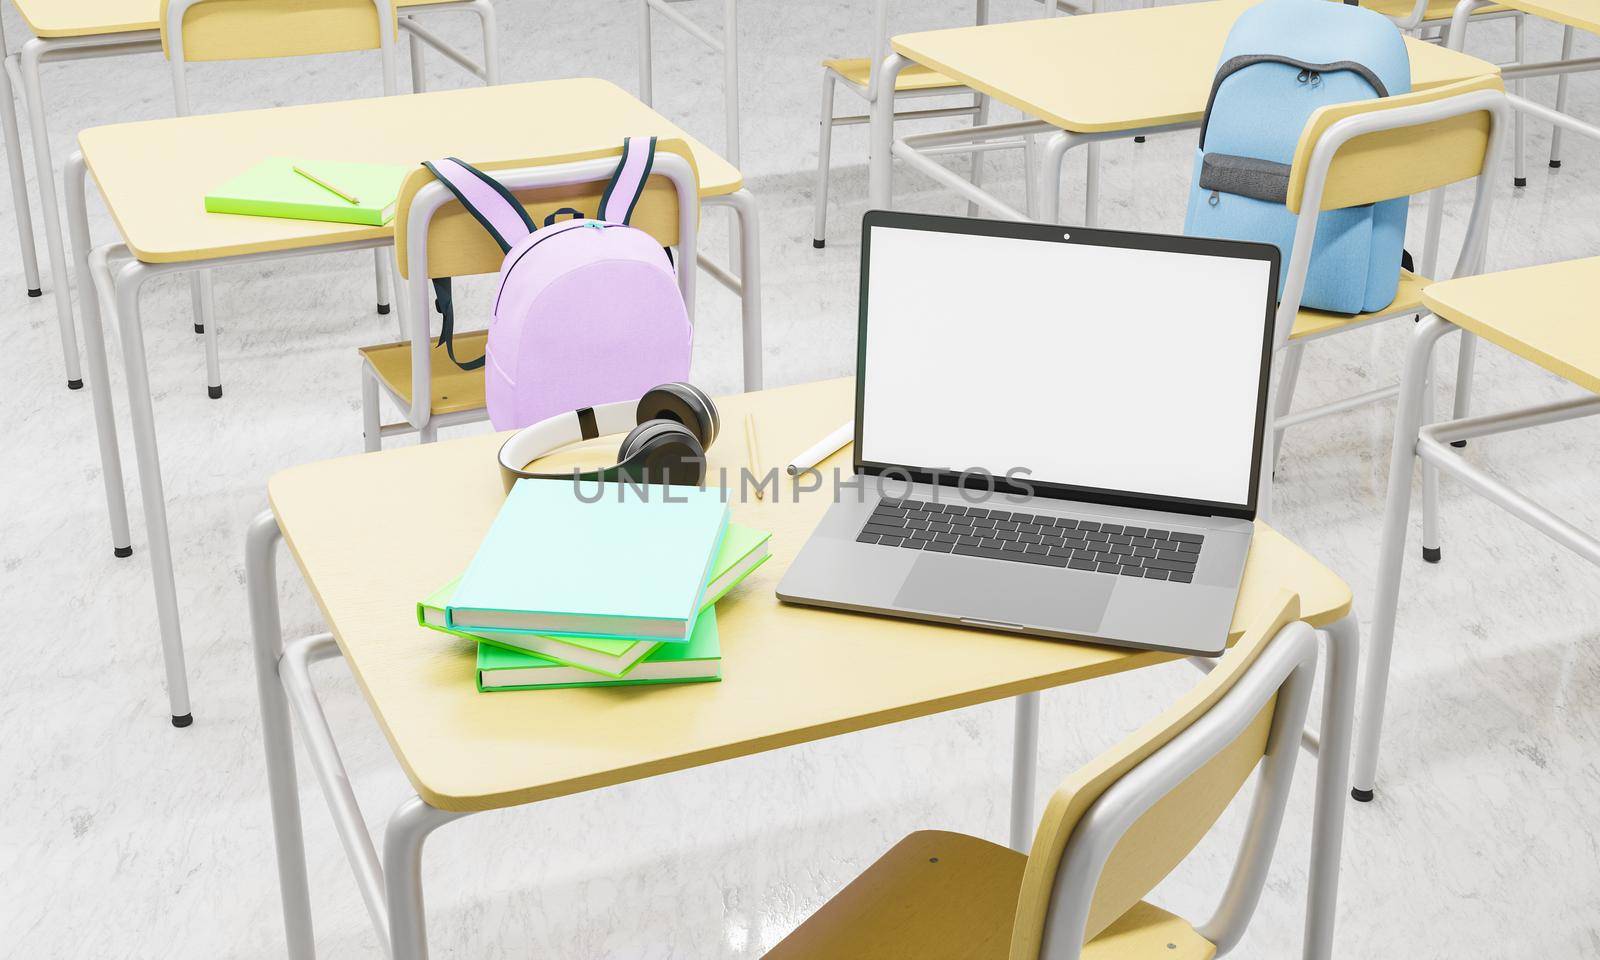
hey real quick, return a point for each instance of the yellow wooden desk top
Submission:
(154, 174)
(373, 533)
(1125, 70)
(1546, 314)
(92, 18)
(1583, 14)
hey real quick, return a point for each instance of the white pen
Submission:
(824, 448)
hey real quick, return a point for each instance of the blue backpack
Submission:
(1283, 60)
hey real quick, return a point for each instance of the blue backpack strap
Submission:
(489, 202)
(627, 184)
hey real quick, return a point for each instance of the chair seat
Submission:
(454, 389)
(1407, 299)
(1437, 9)
(948, 896)
(915, 76)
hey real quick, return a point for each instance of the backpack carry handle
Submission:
(627, 184)
(489, 202)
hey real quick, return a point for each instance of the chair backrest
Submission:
(458, 246)
(1120, 824)
(209, 30)
(213, 30)
(1398, 160)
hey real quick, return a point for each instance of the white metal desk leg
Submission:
(881, 149)
(1391, 555)
(99, 376)
(730, 76)
(19, 178)
(1024, 770)
(646, 68)
(205, 322)
(1430, 478)
(1091, 185)
(491, 41)
(44, 171)
(1333, 778)
(1561, 99)
(749, 239)
(419, 67)
(409, 827)
(1519, 123)
(261, 583)
(128, 282)
(1465, 362)
(1051, 158)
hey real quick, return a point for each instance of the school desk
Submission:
(1082, 80)
(370, 535)
(66, 30)
(1543, 314)
(1572, 15)
(154, 193)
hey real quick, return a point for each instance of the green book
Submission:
(632, 563)
(742, 551)
(272, 188)
(697, 661)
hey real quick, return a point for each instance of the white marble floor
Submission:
(122, 837)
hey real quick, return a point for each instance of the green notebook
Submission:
(697, 661)
(632, 564)
(272, 188)
(742, 551)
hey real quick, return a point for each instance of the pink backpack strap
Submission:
(627, 184)
(486, 199)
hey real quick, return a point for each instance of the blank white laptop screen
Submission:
(1136, 371)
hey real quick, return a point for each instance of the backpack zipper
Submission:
(1310, 73)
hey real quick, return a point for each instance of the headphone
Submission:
(672, 426)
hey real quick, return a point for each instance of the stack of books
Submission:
(619, 591)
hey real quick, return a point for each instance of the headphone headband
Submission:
(532, 442)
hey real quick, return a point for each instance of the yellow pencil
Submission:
(753, 452)
(348, 198)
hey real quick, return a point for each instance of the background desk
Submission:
(153, 190)
(370, 534)
(66, 30)
(1086, 79)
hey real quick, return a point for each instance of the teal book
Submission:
(360, 193)
(697, 661)
(632, 564)
(742, 551)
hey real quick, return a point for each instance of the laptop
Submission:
(1058, 432)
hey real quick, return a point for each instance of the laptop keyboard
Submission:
(1041, 539)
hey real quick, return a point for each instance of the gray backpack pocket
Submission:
(1245, 176)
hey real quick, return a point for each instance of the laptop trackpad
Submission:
(1006, 593)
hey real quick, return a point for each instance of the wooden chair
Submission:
(1359, 153)
(1111, 832)
(435, 237)
(857, 76)
(194, 31)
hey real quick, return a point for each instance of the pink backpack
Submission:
(588, 311)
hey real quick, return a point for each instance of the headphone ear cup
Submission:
(662, 451)
(684, 403)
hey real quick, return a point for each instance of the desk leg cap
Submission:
(214, 393)
(199, 329)
(1365, 796)
(183, 721)
(383, 309)
(818, 244)
(1555, 164)
(35, 292)
(1519, 181)
(1431, 554)
(122, 553)
(1138, 139)
(1458, 444)
(74, 384)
